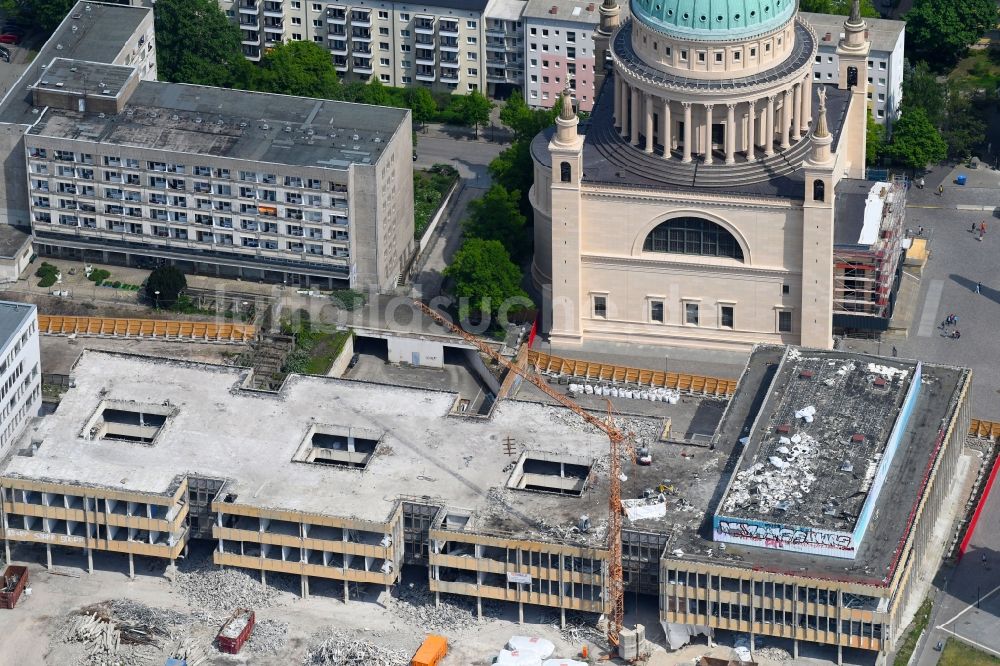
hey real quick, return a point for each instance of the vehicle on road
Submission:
(10, 38)
(940, 646)
(354, 361)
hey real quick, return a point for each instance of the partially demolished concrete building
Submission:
(801, 517)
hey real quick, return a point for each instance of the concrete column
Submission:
(48, 556)
(730, 133)
(618, 102)
(786, 120)
(623, 98)
(634, 119)
(751, 130)
(562, 618)
(769, 128)
(347, 593)
(90, 560)
(131, 566)
(649, 123)
(806, 115)
(797, 112)
(263, 577)
(479, 608)
(305, 586)
(708, 134)
(665, 129)
(687, 132)
(795, 648)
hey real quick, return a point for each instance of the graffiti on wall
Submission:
(779, 536)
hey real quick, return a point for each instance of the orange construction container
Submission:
(432, 651)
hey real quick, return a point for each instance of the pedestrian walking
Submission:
(979, 287)
(940, 190)
(974, 225)
(894, 352)
(954, 320)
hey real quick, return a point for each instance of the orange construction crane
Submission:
(619, 440)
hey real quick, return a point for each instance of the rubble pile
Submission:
(415, 605)
(342, 650)
(268, 637)
(578, 629)
(773, 654)
(116, 632)
(207, 587)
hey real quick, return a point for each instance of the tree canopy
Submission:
(484, 278)
(298, 68)
(496, 216)
(874, 142)
(169, 281)
(43, 14)
(842, 7)
(196, 43)
(964, 128)
(514, 168)
(915, 141)
(940, 31)
(921, 90)
(475, 109)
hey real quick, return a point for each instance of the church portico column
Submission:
(796, 112)
(687, 132)
(751, 130)
(619, 98)
(786, 119)
(665, 129)
(649, 122)
(708, 134)
(769, 127)
(634, 120)
(730, 133)
(807, 89)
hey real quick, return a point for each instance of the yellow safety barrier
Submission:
(985, 429)
(681, 381)
(195, 331)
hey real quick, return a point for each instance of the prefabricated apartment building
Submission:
(805, 519)
(107, 164)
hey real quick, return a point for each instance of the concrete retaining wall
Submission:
(339, 366)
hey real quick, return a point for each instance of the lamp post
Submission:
(157, 293)
(666, 366)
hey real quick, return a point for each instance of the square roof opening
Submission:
(339, 446)
(551, 473)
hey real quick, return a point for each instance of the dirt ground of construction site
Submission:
(187, 606)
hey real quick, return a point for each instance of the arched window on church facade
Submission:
(819, 190)
(692, 235)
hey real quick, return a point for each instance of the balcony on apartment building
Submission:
(494, 75)
(273, 9)
(337, 46)
(448, 28)
(336, 15)
(449, 75)
(340, 63)
(337, 31)
(425, 57)
(249, 21)
(424, 40)
(424, 25)
(362, 65)
(361, 18)
(449, 44)
(362, 50)
(249, 7)
(451, 63)
(495, 29)
(425, 73)
(273, 36)
(361, 35)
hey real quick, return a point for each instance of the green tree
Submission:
(422, 103)
(474, 109)
(514, 169)
(298, 68)
(875, 141)
(940, 31)
(916, 142)
(964, 128)
(42, 14)
(524, 121)
(196, 43)
(484, 278)
(921, 90)
(496, 216)
(376, 93)
(167, 280)
(842, 7)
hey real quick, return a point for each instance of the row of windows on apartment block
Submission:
(261, 198)
(137, 228)
(179, 169)
(23, 412)
(823, 623)
(19, 344)
(769, 589)
(693, 313)
(364, 14)
(15, 397)
(881, 64)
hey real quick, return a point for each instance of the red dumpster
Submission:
(12, 585)
(236, 631)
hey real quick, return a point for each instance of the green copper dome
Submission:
(713, 20)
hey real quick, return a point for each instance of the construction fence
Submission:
(191, 331)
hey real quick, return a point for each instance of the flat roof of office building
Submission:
(565, 10)
(83, 77)
(12, 317)
(237, 124)
(882, 33)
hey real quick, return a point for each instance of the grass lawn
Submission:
(913, 633)
(429, 188)
(957, 653)
(980, 70)
(315, 351)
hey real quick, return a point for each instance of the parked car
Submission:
(939, 646)
(10, 38)
(354, 361)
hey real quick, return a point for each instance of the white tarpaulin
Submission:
(640, 510)
(521, 578)
(516, 658)
(540, 647)
(679, 635)
(563, 662)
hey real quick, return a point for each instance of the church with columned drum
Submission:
(696, 205)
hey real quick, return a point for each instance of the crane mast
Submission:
(618, 440)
